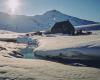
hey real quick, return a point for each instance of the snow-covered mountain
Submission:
(89, 27)
(22, 23)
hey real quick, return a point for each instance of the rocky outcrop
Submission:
(64, 27)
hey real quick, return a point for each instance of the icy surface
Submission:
(70, 45)
(13, 68)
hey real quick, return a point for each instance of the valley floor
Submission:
(22, 69)
(14, 67)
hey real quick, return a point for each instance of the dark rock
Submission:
(2, 48)
(16, 54)
(64, 27)
(8, 40)
(83, 32)
(3, 72)
(38, 33)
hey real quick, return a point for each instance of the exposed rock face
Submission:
(16, 54)
(64, 27)
(2, 48)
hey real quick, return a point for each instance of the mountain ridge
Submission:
(22, 23)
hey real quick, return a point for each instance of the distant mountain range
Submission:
(22, 23)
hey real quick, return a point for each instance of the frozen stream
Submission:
(28, 52)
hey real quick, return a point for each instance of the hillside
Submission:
(22, 23)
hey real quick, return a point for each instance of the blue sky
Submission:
(86, 9)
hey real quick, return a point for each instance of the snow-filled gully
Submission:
(28, 51)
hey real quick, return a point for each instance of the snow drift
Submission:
(70, 47)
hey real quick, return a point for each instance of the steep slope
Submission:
(50, 17)
(21, 23)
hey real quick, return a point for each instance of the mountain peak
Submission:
(52, 12)
(39, 22)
